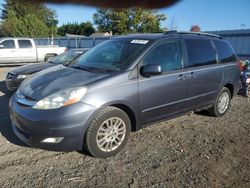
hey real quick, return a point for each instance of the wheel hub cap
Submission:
(111, 134)
(223, 102)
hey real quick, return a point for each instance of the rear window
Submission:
(24, 44)
(200, 52)
(225, 52)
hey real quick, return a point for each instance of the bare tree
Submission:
(173, 23)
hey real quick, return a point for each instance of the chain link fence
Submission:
(72, 42)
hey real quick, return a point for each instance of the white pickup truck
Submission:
(24, 50)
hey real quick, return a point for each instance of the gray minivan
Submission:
(123, 85)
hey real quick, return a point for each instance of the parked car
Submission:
(15, 77)
(244, 58)
(24, 50)
(123, 85)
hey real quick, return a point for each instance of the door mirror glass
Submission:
(150, 70)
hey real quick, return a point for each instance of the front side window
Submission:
(24, 44)
(114, 55)
(200, 52)
(225, 52)
(167, 55)
(7, 44)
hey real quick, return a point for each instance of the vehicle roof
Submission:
(16, 38)
(170, 34)
(141, 36)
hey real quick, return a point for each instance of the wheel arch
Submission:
(130, 113)
(230, 87)
(48, 55)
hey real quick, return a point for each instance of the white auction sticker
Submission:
(139, 41)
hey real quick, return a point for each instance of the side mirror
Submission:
(1, 46)
(150, 70)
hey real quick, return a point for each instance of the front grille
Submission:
(11, 75)
(24, 100)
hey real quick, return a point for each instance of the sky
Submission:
(210, 15)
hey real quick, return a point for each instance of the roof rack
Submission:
(195, 33)
(200, 33)
(171, 32)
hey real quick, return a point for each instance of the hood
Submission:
(55, 79)
(32, 68)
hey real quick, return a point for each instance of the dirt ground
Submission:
(189, 151)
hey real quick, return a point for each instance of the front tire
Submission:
(221, 104)
(108, 132)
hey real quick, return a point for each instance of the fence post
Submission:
(93, 42)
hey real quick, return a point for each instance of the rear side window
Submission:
(7, 44)
(225, 52)
(168, 55)
(24, 44)
(200, 52)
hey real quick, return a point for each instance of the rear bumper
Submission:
(34, 126)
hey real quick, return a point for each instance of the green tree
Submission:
(122, 21)
(27, 19)
(84, 28)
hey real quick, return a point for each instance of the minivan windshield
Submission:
(112, 55)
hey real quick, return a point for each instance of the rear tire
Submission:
(221, 104)
(248, 91)
(108, 132)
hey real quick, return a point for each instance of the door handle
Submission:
(182, 77)
(192, 75)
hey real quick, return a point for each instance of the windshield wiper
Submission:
(93, 69)
(100, 70)
(81, 68)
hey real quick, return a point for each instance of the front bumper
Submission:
(32, 126)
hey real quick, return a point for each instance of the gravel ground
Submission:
(190, 151)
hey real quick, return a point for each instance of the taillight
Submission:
(240, 65)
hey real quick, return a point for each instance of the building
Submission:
(101, 34)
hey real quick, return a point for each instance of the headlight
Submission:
(62, 98)
(22, 76)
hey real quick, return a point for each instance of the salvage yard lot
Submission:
(193, 150)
